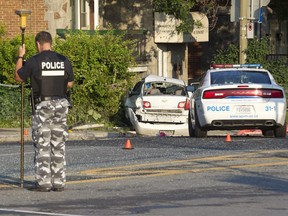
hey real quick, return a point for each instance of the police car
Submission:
(238, 97)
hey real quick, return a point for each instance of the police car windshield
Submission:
(238, 76)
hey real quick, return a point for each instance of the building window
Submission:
(84, 15)
(81, 19)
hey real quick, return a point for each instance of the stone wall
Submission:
(58, 15)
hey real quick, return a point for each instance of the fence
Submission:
(10, 106)
(275, 57)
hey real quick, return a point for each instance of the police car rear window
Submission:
(164, 88)
(238, 76)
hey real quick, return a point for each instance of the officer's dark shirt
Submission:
(49, 73)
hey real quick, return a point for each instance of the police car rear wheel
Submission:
(199, 132)
(268, 133)
(280, 131)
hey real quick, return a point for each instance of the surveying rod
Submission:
(23, 18)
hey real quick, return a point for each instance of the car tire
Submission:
(199, 132)
(268, 133)
(280, 131)
(190, 127)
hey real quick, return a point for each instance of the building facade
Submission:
(186, 59)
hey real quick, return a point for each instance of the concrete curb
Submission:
(14, 135)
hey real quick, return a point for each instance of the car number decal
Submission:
(270, 108)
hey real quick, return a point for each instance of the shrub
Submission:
(10, 92)
(10, 112)
(228, 56)
(100, 64)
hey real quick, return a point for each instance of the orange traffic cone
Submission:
(25, 132)
(128, 145)
(228, 138)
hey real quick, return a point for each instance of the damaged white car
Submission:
(159, 106)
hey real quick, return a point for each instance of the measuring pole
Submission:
(23, 17)
(244, 5)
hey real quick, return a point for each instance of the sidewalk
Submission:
(14, 134)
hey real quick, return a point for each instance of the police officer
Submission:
(50, 74)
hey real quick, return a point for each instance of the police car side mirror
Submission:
(190, 88)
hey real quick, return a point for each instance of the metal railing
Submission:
(275, 57)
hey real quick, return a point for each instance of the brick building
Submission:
(45, 15)
(11, 21)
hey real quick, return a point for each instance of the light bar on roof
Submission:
(215, 66)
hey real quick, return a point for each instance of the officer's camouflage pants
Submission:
(49, 133)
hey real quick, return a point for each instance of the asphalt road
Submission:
(159, 176)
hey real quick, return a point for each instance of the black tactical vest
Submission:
(51, 77)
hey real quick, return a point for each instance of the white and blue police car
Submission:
(235, 97)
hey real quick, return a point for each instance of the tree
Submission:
(279, 8)
(180, 9)
(256, 52)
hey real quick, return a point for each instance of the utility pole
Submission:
(244, 4)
